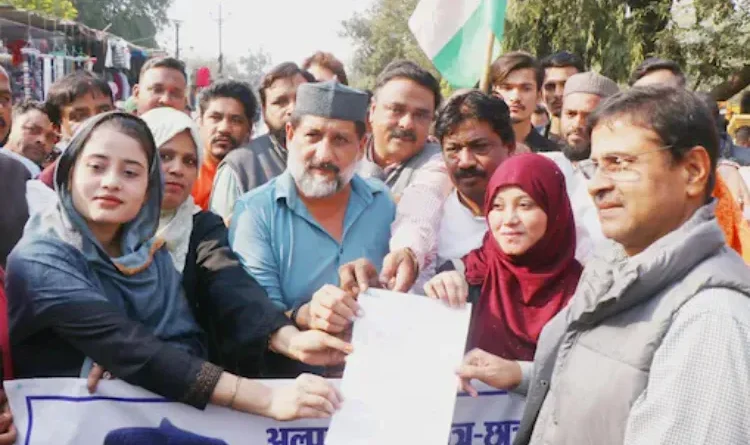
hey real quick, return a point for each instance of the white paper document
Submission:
(399, 385)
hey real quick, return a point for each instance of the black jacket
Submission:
(230, 306)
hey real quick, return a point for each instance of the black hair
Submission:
(742, 133)
(359, 126)
(713, 107)
(656, 64)
(164, 62)
(514, 61)
(72, 87)
(475, 105)
(134, 128)
(33, 105)
(233, 89)
(745, 103)
(679, 117)
(282, 71)
(406, 69)
(563, 59)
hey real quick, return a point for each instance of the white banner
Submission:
(62, 412)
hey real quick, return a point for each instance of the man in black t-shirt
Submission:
(517, 78)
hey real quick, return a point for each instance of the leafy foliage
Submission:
(56, 8)
(382, 35)
(137, 21)
(710, 38)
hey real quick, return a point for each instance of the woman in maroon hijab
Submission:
(525, 271)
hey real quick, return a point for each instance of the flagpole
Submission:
(484, 84)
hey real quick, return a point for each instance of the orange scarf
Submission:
(730, 218)
(204, 183)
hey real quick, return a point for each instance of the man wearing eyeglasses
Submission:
(582, 94)
(399, 153)
(652, 348)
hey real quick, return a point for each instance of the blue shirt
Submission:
(282, 246)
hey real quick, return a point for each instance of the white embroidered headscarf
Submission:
(175, 226)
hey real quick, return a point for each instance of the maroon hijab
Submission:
(520, 294)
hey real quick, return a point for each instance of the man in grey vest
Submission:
(403, 106)
(653, 347)
(266, 156)
(404, 103)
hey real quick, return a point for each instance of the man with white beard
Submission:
(293, 233)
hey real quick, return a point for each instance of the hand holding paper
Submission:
(399, 386)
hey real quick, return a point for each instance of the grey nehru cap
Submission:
(591, 83)
(333, 100)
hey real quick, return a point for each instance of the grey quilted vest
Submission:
(258, 163)
(399, 177)
(594, 357)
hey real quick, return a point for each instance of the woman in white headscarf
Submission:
(227, 302)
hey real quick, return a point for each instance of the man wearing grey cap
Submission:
(293, 233)
(582, 94)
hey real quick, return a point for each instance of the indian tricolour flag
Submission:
(455, 34)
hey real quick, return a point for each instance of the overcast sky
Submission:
(287, 29)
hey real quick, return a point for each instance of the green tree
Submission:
(137, 21)
(710, 38)
(56, 8)
(382, 35)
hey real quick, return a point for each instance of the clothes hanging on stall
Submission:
(47, 75)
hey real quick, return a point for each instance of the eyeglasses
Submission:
(615, 167)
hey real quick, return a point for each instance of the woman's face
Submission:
(179, 162)
(109, 181)
(516, 221)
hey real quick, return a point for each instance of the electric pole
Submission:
(177, 38)
(220, 21)
(221, 54)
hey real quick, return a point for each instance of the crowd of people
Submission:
(597, 231)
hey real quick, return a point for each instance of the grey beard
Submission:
(317, 187)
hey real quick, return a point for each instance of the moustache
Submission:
(404, 135)
(324, 166)
(3, 123)
(605, 198)
(222, 137)
(580, 132)
(465, 173)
